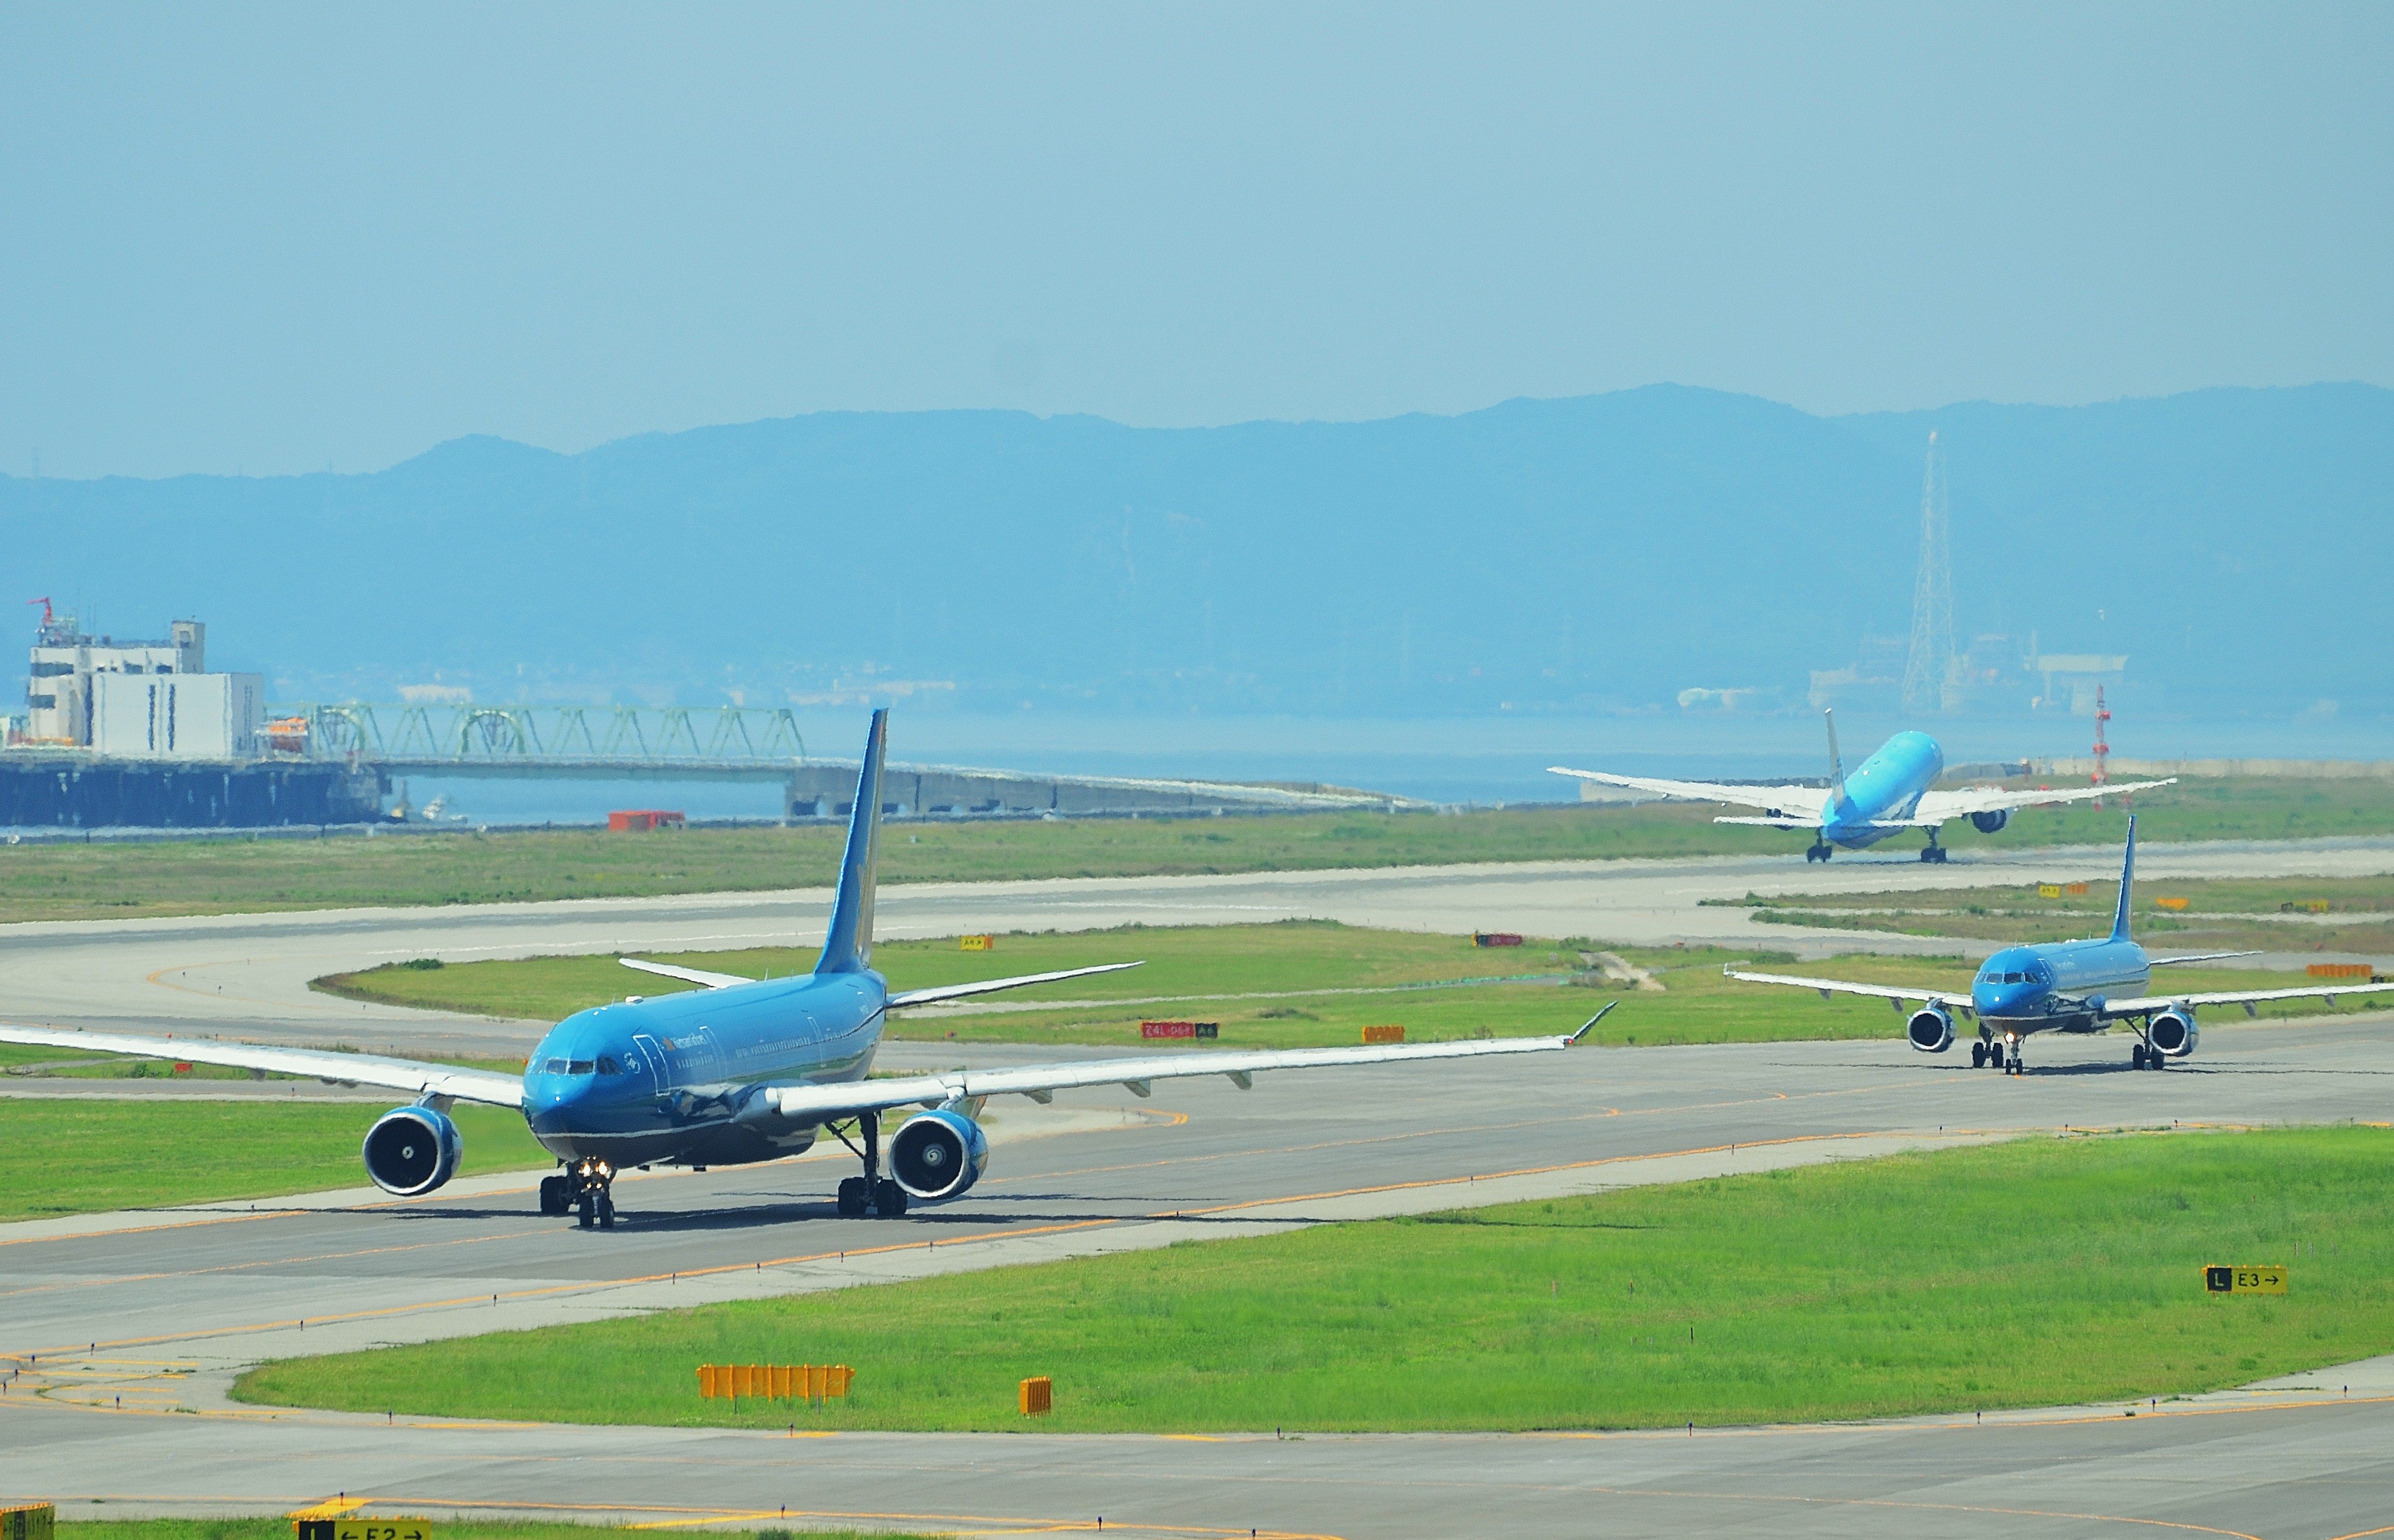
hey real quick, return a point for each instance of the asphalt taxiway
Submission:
(162, 1309)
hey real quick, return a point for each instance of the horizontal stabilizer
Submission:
(688, 975)
(990, 986)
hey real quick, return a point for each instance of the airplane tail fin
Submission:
(848, 945)
(1836, 761)
(2128, 882)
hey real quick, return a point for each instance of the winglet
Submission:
(1592, 1021)
(2128, 882)
(847, 945)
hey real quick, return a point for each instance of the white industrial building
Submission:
(144, 700)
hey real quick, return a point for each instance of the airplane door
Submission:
(660, 1072)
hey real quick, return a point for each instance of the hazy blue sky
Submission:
(271, 238)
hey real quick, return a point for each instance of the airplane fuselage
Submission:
(2056, 985)
(677, 1078)
(1887, 785)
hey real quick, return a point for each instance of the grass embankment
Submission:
(1292, 984)
(2038, 1273)
(382, 1512)
(2269, 914)
(62, 882)
(88, 1157)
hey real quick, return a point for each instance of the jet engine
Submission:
(938, 1154)
(410, 1150)
(1991, 821)
(1930, 1029)
(2172, 1033)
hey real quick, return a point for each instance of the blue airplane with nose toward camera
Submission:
(2064, 986)
(743, 1069)
(1890, 792)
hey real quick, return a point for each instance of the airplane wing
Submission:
(1041, 1082)
(1936, 806)
(2145, 1004)
(2199, 957)
(1803, 803)
(1839, 986)
(404, 1075)
(690, 975)
(988, 986)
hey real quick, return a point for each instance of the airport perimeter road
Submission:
(249, 973)
(161, 1309)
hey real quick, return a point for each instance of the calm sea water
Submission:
(1480, 760)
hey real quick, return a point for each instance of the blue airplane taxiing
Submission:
(1889, 793)
(2065, 986)
(745, 1069)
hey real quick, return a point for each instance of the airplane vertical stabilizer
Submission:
(2128, 882)
(848, 945)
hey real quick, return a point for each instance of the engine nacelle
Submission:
(1992, 822)
(1930, 1029)
(410, 1150)
(938, 1154)
(2172, 1033)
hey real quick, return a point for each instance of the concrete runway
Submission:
(247, 975)
(162, 1308)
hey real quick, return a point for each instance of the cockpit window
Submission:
(608, 1066)
(2015, 978)
(580, 1066)
(554, 1066)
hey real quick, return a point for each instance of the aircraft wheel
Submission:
(1978, 1056)
(589, 1211)
(606, 1212)
(2136, 1056)
(553, 1202)
(2157, 1061)
(855, 1197)
(889, 1198)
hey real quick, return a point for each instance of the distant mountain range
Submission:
(1601, 553)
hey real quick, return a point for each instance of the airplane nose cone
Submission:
(554, 1107)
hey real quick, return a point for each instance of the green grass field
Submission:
(237, 876)
(446, 1529)
(2037, 1272)
(89, 1157)
(1293, 984)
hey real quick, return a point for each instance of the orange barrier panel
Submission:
(774, 1381)
(2339, 970)
(1384, 1035)
(1038, 1396)
(706, 1391)
(2076, 890)
(2172, 904)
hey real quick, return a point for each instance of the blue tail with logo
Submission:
(848, 945)
(2128, 883)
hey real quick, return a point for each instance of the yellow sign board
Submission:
(975, 944)
(361, 1528)
(2048, 889)
(28, 1522)
(2267, 1278)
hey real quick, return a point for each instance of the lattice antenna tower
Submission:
(1931, 658)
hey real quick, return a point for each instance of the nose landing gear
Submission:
(870, 1192)
(1988, 1054)
(585, 1188)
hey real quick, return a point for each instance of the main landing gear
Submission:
(585, 1187)
(2143, 1057)
(871, 1191)
(1988, 1054)
(1933, 852)
(1821, 850)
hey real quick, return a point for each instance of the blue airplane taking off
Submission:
(1888, 793)
(742, 1069)
(2065, 986)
